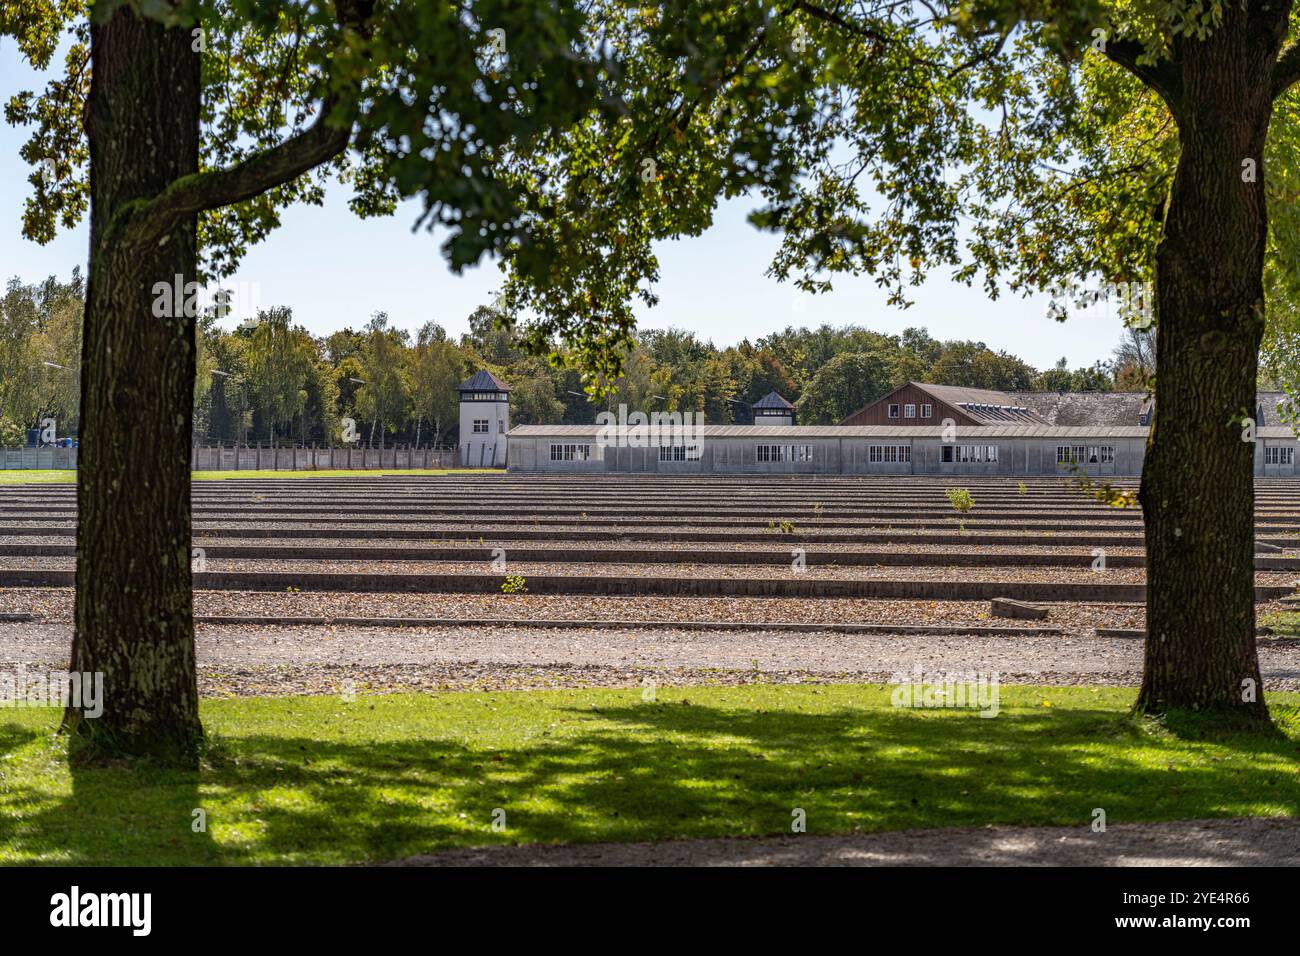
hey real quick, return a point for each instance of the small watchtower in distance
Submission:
(772, 409)
(484, 420)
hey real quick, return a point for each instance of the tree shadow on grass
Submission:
(15, 735)
(116, 813)
(639, 771)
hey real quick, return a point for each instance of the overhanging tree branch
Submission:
(861, 30)
(318, 143)
(1161, 77)
(1286, 72)
(190, 195)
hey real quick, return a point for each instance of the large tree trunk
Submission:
(1198, 482)
(133, 616)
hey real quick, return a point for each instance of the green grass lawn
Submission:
(318, 780)
(68, 476)
(54, 476)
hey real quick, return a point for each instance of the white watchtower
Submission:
(484, 421)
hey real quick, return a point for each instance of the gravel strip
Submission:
(776, 545)
(630, 530)
(1010, 573)
(1235, 842)
(1083, 552)
(56, 605)
(318, 659)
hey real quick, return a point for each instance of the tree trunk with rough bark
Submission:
(1197, 488)
(134, 619)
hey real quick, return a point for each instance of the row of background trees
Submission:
(272, 381)
(40, 352)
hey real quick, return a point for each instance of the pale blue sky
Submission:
(335, 270)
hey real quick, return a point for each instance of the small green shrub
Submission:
(960, 500)
(514, 584)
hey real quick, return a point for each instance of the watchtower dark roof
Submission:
(772, 400)
(484, 381)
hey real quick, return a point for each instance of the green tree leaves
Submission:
(40, 324)
(842, 386)
(279, 361)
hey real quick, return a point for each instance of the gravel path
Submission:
(631, 530)
(776, 546)
(295, 660)
(1238, 842)
(1011, 573)
(55, 605)
(627, 529)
